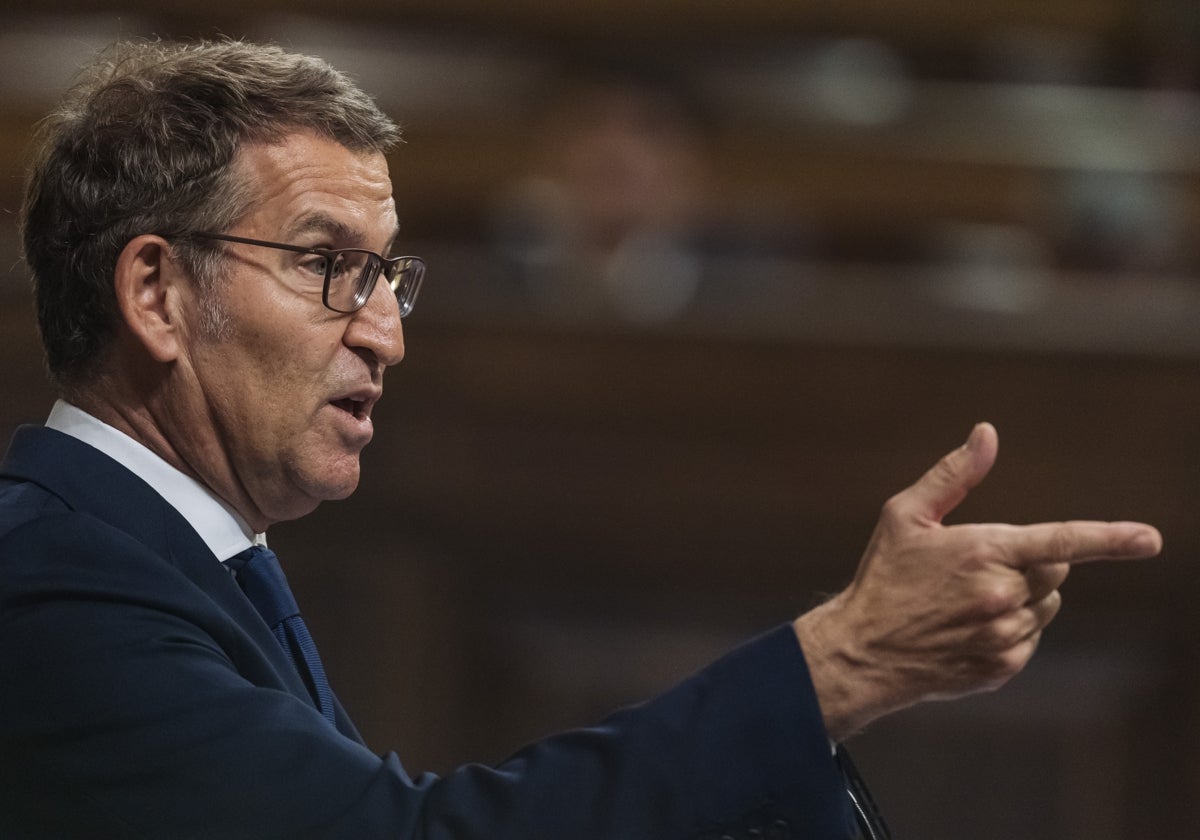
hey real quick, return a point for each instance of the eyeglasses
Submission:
(350, 273)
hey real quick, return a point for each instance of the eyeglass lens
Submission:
(352, 275)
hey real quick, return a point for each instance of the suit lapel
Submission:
(88, 481)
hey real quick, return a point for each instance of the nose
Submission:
(376, 328)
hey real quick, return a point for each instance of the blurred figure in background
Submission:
(609, 222)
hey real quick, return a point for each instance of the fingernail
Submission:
(976, 434)
(1145, 541)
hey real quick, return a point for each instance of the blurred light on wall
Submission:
(413, 72)
(859, 81)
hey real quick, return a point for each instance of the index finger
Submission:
(1082, 541)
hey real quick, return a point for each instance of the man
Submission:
(207, 226)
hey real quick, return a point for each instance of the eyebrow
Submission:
(337, 231)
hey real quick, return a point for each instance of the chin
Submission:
(342, 492)
(337, 483)
(327, 481)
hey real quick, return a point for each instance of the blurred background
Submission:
(709, 282)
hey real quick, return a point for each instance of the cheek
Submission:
(254, 400)
(270, 373)
(290, 371)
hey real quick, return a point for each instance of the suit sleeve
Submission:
(133, 706)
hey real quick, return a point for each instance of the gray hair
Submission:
(144, 142)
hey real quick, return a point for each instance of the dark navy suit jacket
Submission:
(141, 696)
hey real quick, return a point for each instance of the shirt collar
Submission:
(221, 528)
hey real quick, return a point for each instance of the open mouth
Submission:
(356, 408)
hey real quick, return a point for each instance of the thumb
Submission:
(947, 483)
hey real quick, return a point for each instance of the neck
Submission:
(149, 422)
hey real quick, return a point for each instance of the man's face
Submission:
(274, 410)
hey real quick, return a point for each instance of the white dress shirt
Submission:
(218, 525)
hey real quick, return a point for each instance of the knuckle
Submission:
(895, 507)
(1060, 546)
(1045, 579)
(1048, 608)
(1002, 634)
(1010, 662)
(996, 599)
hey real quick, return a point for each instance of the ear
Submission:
(149, 286)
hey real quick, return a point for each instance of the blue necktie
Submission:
(261, 578)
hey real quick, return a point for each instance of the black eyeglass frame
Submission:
(387, 267)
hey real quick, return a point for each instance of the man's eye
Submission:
(316, 265)
(339, 266)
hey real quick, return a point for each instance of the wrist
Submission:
(850, 689)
